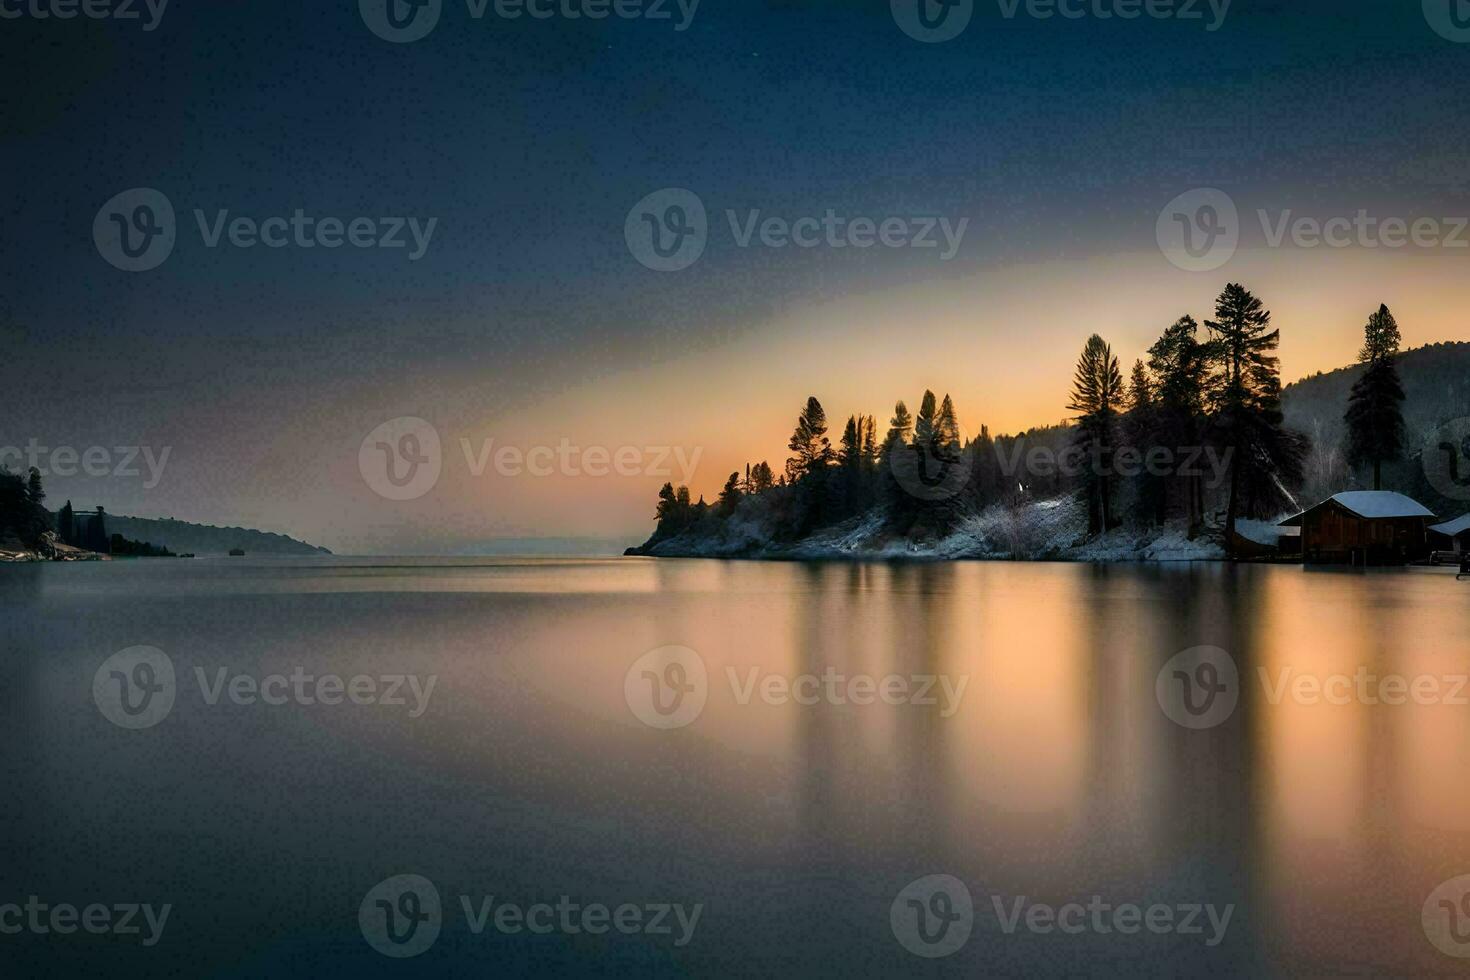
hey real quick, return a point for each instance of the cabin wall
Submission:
(1333, 534)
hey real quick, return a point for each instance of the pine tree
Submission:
(850, 451)
(924, 424)
(1180, 365)
(37, 521)
(947, 436)
(869, 433)
(13, 504)
(1140, 431)
(1264, 457)
(809, 444)
(668, 505)
(730, 495)
(97, 537)
(900, 427)
(1140, 389)
(984, 470)
(1097, 397)
(66, 528)
(34, 493)
(1375, 418)
(761, 478)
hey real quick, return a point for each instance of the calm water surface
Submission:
(1056, 775)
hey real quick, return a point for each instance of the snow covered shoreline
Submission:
(1042, 531)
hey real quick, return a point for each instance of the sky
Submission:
(525, 315)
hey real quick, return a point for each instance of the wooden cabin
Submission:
(1451, 536)
(1364, 527)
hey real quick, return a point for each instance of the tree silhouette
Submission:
(730, 495)
(1097, 395)
(1375, 418)
(1180, 365)
(1265, 459)
(66, 524)
(810, 448)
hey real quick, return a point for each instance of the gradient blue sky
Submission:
(530, 140)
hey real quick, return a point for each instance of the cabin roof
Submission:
(1371, 504)
(1453, 528)
(1261, 532)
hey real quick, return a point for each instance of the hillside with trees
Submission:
(1435, 381)
(1177, 456)
(24, 521)
(28, 530)
(206, 539)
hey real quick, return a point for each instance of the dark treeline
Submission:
(23, 517)
(1194, 434)
(87, 531)
(25, 520)
(121, 547)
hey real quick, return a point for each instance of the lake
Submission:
(401, 767)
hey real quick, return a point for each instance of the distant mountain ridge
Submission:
(1436, 381)
(182, 537)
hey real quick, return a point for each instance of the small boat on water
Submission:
(237, 552)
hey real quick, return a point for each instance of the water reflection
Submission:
(1056, 776)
